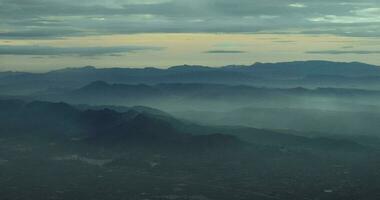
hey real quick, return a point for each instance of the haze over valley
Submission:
(189, 100)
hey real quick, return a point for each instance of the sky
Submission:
(42, 35)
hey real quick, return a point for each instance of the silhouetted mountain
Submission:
(287, 74)
(100, 126)
(122, 109)
(100, 92)
(103, 88)
(105, 126)
(315, 68)
(190, 68)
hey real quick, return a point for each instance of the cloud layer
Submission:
(338, 52)
(71, 51)
(224, 51)
(59, 18)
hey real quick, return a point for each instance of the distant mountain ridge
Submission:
(101, 89)
(313, 67)
(286, 74)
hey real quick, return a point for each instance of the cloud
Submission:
(284, 41)
(297, 5)
(347, 19)
(338, 52)
(60, 18)
(224, 51)
(70, 51)
(38, 34)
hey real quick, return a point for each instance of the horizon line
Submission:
(179, 65)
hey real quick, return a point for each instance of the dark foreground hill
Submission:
(334, 110)
(60, 151)
(102, 125)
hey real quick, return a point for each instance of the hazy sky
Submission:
(40, 35)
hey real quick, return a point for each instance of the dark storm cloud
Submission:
(140, 16)
(78, 51)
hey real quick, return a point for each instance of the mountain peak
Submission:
(311, 62)
(96, 85)
(74, 69)
(189, 68)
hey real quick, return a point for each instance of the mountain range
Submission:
(288, 74)
(296, 130)
(104, 126)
